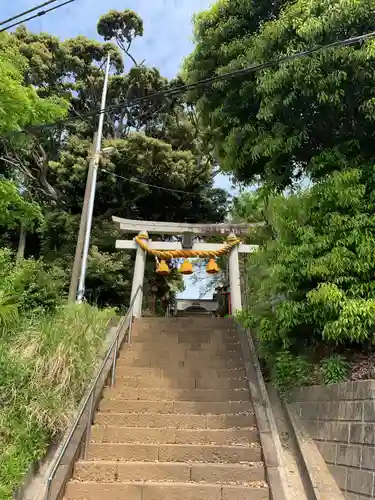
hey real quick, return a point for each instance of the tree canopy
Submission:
(20, 104)
(306, 117)
(321, 263)
(123, 27)
(160, 168)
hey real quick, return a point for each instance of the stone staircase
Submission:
(179, 423)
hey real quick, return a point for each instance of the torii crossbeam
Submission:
(188, 231)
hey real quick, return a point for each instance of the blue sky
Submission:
(167, 25)
(167, 36)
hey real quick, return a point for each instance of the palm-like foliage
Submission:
(8, 309)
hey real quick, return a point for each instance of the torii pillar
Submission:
(138, 277)
(234, 278)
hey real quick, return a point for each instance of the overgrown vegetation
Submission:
(290, 371)
(299, 131)
(158, 142)
(45, 364)
(47, 349)
(311, 287)
(334, 369)
(47, 354)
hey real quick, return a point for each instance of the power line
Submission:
(37, 7)
(39, 14)
(135, 181)
(184, 88)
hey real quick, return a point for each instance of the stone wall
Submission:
(341, 420)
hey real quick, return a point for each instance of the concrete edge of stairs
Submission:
(268, 432)
(317, 475)
(317, 481)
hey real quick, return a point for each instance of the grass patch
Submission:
(45, 364)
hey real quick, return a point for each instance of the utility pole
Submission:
(82, 228)
(21, 243)
(92, 186)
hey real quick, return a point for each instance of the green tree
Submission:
(309, 116)
(14, 209)
(123, 27)
(255, 206)
(20, 104)
(157, 143)
(312, 288)
(139, 160)
(70, 70)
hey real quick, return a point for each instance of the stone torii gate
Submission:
(188, 231)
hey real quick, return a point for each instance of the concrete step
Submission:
(182, 354)
(184, 332)
(125, 370)
(181, 383)
(156, 382)
(109, 471)
(185, 322)
(165, 343)
(175, 453)
(200, 334)
(185, 329)
(132, 435)
(153, 358)
(177, 421)
(158, 320)
(173, 364)
(187, 332)
(184, 339)
(148, 345)
(194, 395)
(183, 407)
(161, 491)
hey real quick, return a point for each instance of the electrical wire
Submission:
(135, 181)
(37, 7)
(39, 14)
(187, 87)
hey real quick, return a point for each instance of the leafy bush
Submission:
(105, 269)
(312, 287)
(49, 360)
(245, 318)
(334, 369)
(290, 371)
(33, 283)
